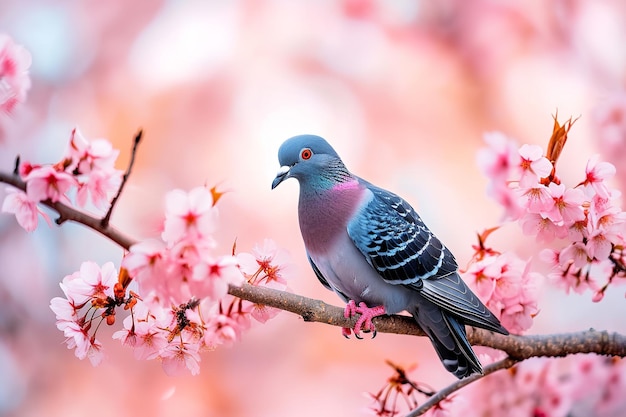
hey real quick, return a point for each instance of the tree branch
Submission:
(69, 213)
(457, 385)
(517, 348)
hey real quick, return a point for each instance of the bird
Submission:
(371, 248)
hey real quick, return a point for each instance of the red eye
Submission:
(306, 153)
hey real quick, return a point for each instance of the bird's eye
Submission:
(306, 153)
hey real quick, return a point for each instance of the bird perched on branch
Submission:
(372, 248)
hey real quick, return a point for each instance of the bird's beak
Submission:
(282, 175)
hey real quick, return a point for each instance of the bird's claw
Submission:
(364, 322)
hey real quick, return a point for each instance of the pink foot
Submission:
(364, 322)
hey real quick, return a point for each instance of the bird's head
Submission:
(307, 157)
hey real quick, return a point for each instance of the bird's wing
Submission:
(324, 281)
(318, 273)
(396, 242)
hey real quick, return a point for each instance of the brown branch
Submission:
(66, 213)
(517, 348)
(133, 153)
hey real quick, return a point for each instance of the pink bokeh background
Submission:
(403, 89)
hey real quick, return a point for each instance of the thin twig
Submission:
(16, 167)
(105, 220)
(457, 385)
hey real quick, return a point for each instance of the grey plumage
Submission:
(369, 245)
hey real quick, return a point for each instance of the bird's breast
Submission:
(324, 215)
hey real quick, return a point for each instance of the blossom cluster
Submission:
(91, 295)
(589, 385)
(86, 170)
(176, 334)
(181, 264)
(506, 285)
(585, 219)
(14, 80)
(184, 307)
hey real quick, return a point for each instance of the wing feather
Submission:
(396, 242)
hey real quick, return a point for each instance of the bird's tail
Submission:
(449, 339)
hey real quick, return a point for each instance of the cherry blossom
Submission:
(176, 358)
(188, 215)
(14, 80)
(46, 183)
(576, 385)
(534, 165)
(90, 287)
(211, 277)
(500, 157)
(97, 187)
(26, 211)
(596, 173)
(536, 198)
(585, 220)
(508, 288)
(500, 161)
(567, 205)
(266, 263)
(88, 156)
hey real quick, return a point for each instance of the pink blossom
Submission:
(596, 172)
(508, 288)
(14, 79)
(145, 330)
(500, 161)
(188, 215)
(567, 204)
(519, 310)
(500, 156)
(212, 277)
(508, 198)
(180, 356)
(98, 185)
(606, 216)
(534, 165)
(144, 255)
(544, 229)
(479, 278)
(266, 263)
(576, 253)
(536, 199)
(84, 346)
(93, 282)
(87, 157)
(92, 286)
(599, 245)
(26, 211)
(46, 183)
(578, 231)
(65, 311)
(222, 330)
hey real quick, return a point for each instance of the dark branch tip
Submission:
(16, 167)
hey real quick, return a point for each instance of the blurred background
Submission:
(403, 89)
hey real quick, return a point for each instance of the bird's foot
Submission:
(364, 322)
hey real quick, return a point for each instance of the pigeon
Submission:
(371, 247)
